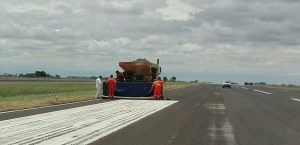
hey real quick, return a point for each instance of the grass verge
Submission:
(23, 95)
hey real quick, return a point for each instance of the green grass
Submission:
(19, 95)
(175, 85)
(46, 89)
(11, 89)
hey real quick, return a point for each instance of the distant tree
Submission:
(44, 74)
(246, 83)
(262, 83)
(37, 73)
(234, 83)
(30, 75)
(165, 79)
(173, 79)
(41, 74)
(93, 77)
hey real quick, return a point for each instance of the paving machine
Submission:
(136, 79)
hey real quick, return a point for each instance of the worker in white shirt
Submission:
(99, 85)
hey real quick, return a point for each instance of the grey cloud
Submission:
(230, 36)
(254, 21)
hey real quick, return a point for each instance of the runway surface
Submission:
(198, 115)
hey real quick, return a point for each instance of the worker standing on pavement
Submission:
(162, 87)
(99, 86)
(156, 88)
(111, 85)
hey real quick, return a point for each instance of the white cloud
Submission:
(122, 41)
(191, 37)
(178, 10)
(22, 7)
(190, 47)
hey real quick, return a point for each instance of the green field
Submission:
(175, 85)
(29, 89)
(18, 95)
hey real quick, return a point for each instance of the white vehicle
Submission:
(226, 84)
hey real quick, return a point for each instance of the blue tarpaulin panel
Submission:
(130, 89)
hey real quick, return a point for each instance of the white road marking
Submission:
(262, 92)
(241, 87)
(216, 106)
(244, 88)
(295, 99)
(80, 125)
(220, 127)
(46, 106)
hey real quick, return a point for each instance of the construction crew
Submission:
(156, 88)
(99, 86)
(120, 76)
(111, 85)
(162, 87)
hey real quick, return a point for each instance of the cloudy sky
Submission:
(208, 40)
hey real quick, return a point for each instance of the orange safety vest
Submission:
(161, 83)
(157, 85)
(111, 82)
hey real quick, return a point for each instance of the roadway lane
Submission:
(282, 93)
(208, 115)
(81, 125)
(262, 119)
(199, 117)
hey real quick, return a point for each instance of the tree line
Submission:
(38, 74)
(44, 74)
(257, 83)
(173, 79)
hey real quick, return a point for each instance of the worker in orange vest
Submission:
(111, 85)
(162, 87)
(156, 88)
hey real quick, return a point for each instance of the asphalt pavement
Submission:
(202, 115)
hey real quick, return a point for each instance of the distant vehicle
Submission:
(226, 84)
